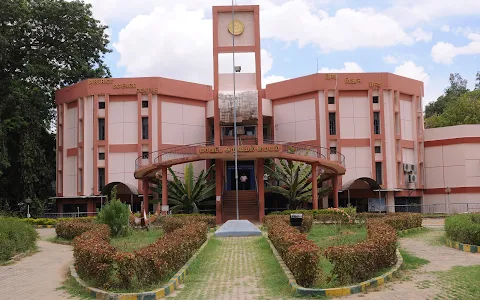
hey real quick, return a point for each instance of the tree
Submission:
(477, 81)
(466, 110)
(115, 214)
(294, 183)
(458, 87)
(45, 45)
(186, 195)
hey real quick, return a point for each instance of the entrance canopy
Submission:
(362, 183)
(122, 188)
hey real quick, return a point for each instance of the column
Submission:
(335, 190)
(314, 187)
(91, 207)
(218, 189)
(261, 189)
(145, 187)
(164, 189)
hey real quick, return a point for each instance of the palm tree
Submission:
(187, 194)
(294, 183)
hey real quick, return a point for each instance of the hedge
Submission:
(69, 229)
(15, 237)
(403, 221)
(301, 255)
(355, 263)
(48, 221)
(100, 263)
(170, 223)
(330, 215)
(464, 228)
(307, 222)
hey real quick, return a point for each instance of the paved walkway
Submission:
(37, 276)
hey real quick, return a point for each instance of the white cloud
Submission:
(177, 43)
(411, 70)
(348, 67)
(444, 53)
(421, 35)
(347, 29)
(445, 28)
(390, 59)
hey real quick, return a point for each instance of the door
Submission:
(246, 175)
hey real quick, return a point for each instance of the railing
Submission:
(438, 208)
(68, 215)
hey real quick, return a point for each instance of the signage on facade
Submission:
(231, 149)
(330, 76)
(100, 81)
(352, 80)
(374, 84)
(147, 90)
(125, 86)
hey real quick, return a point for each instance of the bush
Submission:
(300, 254)
(15, 237)
(355, 263)
(307, 222)
(69, 229)
(170, 223)
(115, 214)
(48, 221)
(464, 228)
(100, 263)
(403, 221)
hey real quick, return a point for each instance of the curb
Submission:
(401, 233)
(463, 247)
(160, 293)
(341, 291)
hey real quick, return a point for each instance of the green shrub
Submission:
(354, 263)
(300, 254)
(307, 222)
(464, 228)
(115, 214)
(69, 229)
(403, 221)
(49, 221)
(15, 237)
(170, 223)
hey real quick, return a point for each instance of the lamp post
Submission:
(28, 201)
(448, 190)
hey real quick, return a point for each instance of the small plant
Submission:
(15, 237)
(115, 214)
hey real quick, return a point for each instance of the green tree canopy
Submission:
(465, 110)
(44, 45)
(458, 87)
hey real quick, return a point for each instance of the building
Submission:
(363, 131)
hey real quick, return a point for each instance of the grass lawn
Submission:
(410, 261)
(460, 283)
(136, 239)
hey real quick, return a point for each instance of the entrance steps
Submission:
(247, 205)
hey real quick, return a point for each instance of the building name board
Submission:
(231, 149)
(125, 86)
(330, 76)
(352, 80)
(374, 84)
(147, 91)
(100, 81)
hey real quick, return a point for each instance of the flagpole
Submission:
(235, 110)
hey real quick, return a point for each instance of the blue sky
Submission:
(421, 39)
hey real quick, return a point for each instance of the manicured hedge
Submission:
(300, 254)
(48, 221)
(15, 237)
(69, 229)
(403, 221)
(101, 264)
(464, 228)
(306, 223)
(355, 263)
(170, 223)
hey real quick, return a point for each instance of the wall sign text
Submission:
(374, 84)
(231, 149)
(330, 76)
(100, 81)
(125, 86)
(352, 80)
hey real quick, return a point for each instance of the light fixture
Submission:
(238, 69)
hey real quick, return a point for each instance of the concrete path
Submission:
(37, 276)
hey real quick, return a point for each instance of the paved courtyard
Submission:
(37, 276)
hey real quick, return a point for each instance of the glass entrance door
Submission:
(246, 175)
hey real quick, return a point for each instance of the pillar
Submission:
(164, 189)
(335, 190)
(218, 189)
(314, 187)
(145, 187)
(91, 207)
(261, 188)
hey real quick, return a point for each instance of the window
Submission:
(333, 150)
(331, 100)
(332, 124)
(144, 103)
(101, 178)
(375, 99)
(101, 129)
(101, 156)
(378, 149)
(144, 155)
(101, 105)
(378, 172)
(376, 122)
(145, 128)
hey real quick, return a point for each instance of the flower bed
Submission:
(100, 264)
(358, 262)
(464, 228)
(300, 254)
(15, 237)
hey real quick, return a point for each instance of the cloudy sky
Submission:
(422, 39)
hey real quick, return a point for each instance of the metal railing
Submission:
(68, 215)
(438, 208)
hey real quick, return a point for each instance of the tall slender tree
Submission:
(44, 45)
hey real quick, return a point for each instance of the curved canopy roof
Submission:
(122, 188)
(361, 183)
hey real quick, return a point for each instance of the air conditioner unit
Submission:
(406, 168)
(413, 168)
(412, 178)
